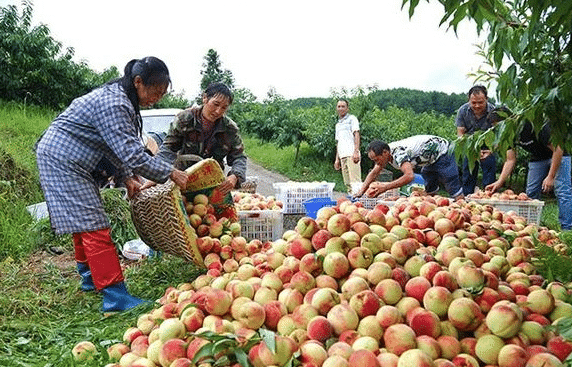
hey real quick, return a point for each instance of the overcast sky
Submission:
(302, 48)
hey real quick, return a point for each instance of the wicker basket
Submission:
(160, 219)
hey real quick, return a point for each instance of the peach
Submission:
(303, 314)
(335, 361)
(425, 322)
(363, 357)
(488, 347)
(540, 301)
(415, 357)
(544, 360)
(387, 359)
(465, 314)
(398, 338)
(274, 311)
(302, 281)
(378, 271)
(559, 346)
(512, 356)
(320, 329)
(360, 257)
(306, 227)
(450, 346)
(465, 360)
(437, 299)
(312, 353)
(504, 319)
(338, 224)
(369, 326)
(352, 286)
(429, 345)
(341, 349)
(300, 246)
(389, 291)
(388, 315)
(336, 265)
(372, 242)
(320, 238)
(324, 299)
(171, 350)
(416, 287)
(365, 303)
(343, 317)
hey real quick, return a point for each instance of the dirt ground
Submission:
(266, 179)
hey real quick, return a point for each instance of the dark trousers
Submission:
(488, 165)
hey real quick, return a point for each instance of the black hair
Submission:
(214, 89)
(152, 71)
(344, 100)
(378, 147)
(498, 114)
(476, 89)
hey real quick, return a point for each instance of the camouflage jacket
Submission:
(186, 136)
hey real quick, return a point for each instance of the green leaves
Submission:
(223, 350)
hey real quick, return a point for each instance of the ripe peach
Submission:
(388, 315)
(363, 357)
(320, 329)
(415, 357)
(465, 360)
(398, 338)
(488, 347)
(504, 319)
(512, 356)
(450, 346)
(425, 322)
(324, 299)
(437, 299)
(389, 291)
(365, 303)
(343, 317)
(465, 314)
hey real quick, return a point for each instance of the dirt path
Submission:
(266, 178)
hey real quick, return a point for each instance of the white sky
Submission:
(302, 48)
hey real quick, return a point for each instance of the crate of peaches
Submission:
(508, 200)
(260, 217)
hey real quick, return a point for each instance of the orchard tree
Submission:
(528, 51)
(34, 68)
(212, 71)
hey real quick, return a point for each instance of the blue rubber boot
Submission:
(86, 280)
(116, 298)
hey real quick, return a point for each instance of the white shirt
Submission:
(345, 128)
(419, 150)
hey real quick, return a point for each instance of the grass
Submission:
(43, 314)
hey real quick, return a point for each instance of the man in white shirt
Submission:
(348, 144)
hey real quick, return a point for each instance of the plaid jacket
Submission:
(97, 125)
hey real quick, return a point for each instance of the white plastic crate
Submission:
(531, 210)
(293, 194)
(263, 225)
(370, 203)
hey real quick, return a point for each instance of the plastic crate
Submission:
(370, 203)
(313, 205)
(531, 210)
(263, 225)
(293, 194)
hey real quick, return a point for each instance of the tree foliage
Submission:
(528, 52)
(213, 72)
(34, 68)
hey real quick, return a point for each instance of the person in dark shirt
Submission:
(548, 168)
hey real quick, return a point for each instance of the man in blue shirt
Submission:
(471, 117)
